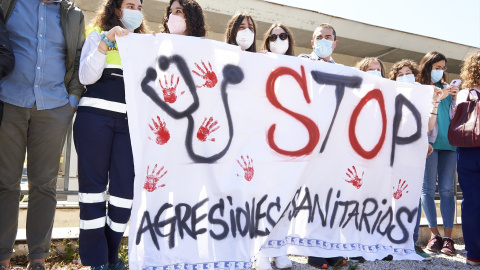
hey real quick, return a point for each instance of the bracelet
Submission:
(434, 113)
(103, 37)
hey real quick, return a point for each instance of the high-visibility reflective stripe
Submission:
(93, 223)
(91, 197)
(117, 227)
(120, 202)
(113, 66)
(103, 104)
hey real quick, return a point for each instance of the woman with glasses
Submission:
(278, 39)
(442, 162)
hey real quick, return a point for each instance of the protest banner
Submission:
(239, 154)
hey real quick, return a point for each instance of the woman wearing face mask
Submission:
(442, 161)
(184, 17)
(241, 31)
(406, 71)
(279, 39)
(102, 138)
(372, 65)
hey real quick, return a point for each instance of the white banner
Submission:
(240, 153)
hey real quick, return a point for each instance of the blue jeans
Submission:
(469, 179)
(442, 163)
(417, 225)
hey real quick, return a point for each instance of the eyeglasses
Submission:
(444, 69)
(274, 37)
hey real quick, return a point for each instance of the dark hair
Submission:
(194, 18)
(328, 26)
(403, 63)
(291, 43)
(234, 25)
(425, 69)
(107, 17)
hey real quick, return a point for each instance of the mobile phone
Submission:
(456, 82)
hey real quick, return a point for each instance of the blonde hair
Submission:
(403, 63)
(470, 73)
(364, 64)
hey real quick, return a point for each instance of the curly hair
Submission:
(194, 18)
(425, 69)
(470, 73)
(234, 25)
(364, 64)
(291, 42)
(403, 63)
(107, 17)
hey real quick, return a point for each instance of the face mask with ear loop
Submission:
(279, 46)
(245, 38)
(323, 47)
(436, 75)
(132, 19)
(176, 24)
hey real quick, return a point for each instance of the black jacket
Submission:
(7, 59)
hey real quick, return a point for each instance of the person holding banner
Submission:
(323, 43)
(184, 17)
(241, 31)
(279, 39)
(469, 167)
(442, 161)
(102, 138)
(405, 70)
(371, 65)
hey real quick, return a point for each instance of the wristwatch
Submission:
(103, 37)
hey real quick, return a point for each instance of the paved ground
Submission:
(440, 261)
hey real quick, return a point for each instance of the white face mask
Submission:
(375, 72)
(409, 78)
(245, 38)
(279, 46)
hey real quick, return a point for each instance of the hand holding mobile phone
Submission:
(456, 82)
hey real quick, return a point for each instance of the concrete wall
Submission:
(355, 40)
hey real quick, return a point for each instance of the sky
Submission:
(451, 20)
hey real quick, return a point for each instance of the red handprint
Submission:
(152, 179)
(247, 168)
(207, 128)
(208, 75)
(354, 179)
(160, 130)
(170, 93)
(400, 188)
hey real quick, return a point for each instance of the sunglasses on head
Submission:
(274, 37)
